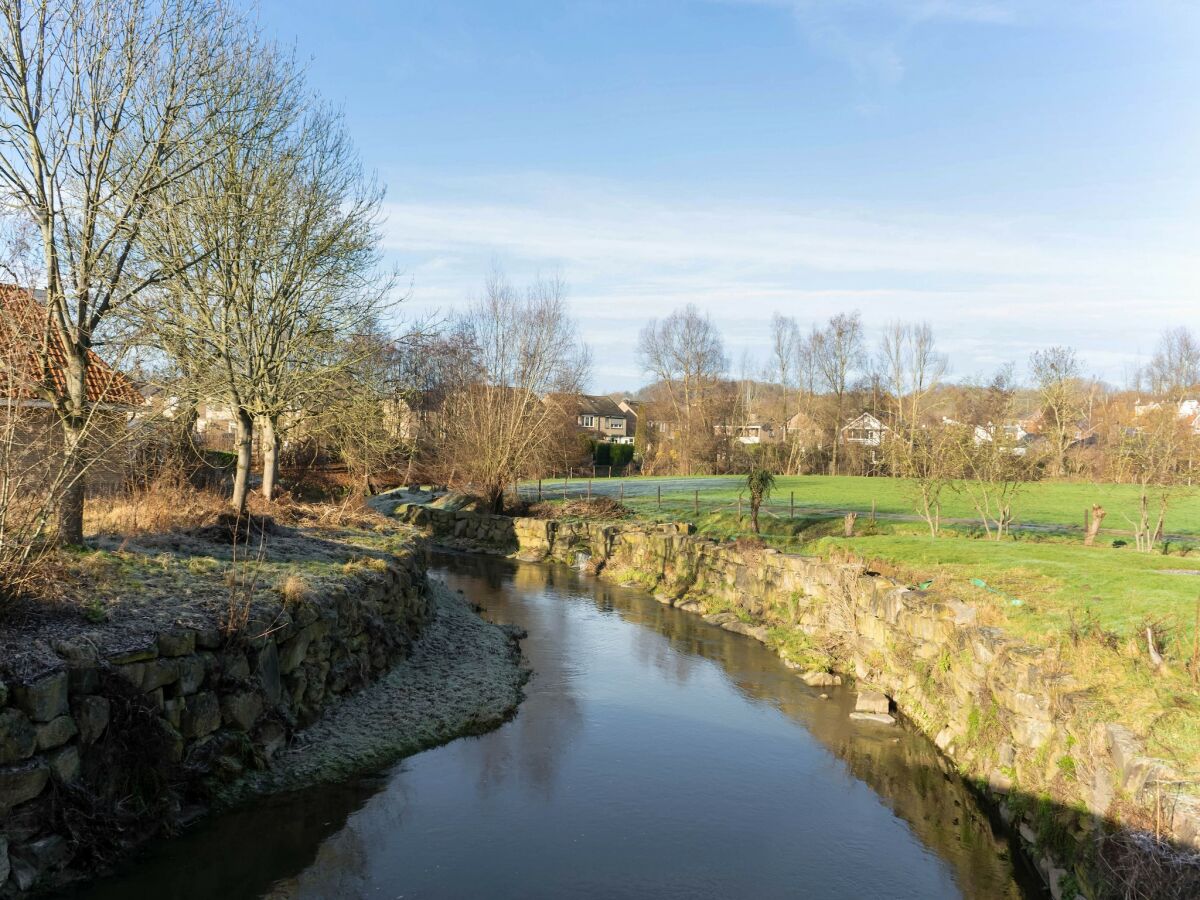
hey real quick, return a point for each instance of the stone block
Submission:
(22, 782)
(146, 651)
(4, 866)
(876, 718)
(91, 717)
(177, 642)
(159, 673)
(65, 764)
(241, 710)
(191, 674)
(201, 715)
(873, 702)
(235, 665)
(267, 670)
(56, 732)
(45, 698)
(821, 679)
(18, 738)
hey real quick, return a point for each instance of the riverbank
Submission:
(464, 677)
(200, 674)
(1094, 808)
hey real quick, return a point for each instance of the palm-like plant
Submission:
(760, 482)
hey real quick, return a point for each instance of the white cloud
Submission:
(994, 289)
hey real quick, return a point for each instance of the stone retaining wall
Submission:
(1002, 710)
(116, 742)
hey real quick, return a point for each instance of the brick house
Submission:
(33, 361)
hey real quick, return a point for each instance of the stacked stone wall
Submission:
(114, 743)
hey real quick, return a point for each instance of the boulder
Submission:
(873, 702)
(44, 699)
(17, 736)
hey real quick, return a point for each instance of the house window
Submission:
(587, 421)
(616, 423)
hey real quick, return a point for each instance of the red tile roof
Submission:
(24, 330)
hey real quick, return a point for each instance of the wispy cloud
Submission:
(869, 36)
(994, 289)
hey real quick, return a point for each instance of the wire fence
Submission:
(681, 499)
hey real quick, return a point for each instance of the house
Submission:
(603, 419)
(865, 430)
(33, 362)
(1187, 410)
(752, 432)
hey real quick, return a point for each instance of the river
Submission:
(655, 756)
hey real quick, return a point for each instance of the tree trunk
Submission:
(496, 499)
(1098, 515)
(70, 504)
(74, 423)
(754, 514)
(270, 444)
(245, 446)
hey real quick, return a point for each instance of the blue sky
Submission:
(1017, 172)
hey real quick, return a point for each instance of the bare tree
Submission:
(838, 354)
(512, 419)
(275, 240)
(1056, 376)
(97, 102)
(685, 355)
(1173, 373)
(912, 369)
(1152, 453)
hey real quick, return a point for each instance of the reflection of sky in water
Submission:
(654, 756)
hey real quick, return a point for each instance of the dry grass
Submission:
(169, 504)
(294, 589)
(597, 508)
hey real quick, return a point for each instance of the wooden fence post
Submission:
(697, 504)
(589, 490)
(792, 506)
(622, 490)
(539, 490)
(660, 496)
(564, 489)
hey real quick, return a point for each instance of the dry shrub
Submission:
(751, 545)
(294, 589)
(168, 504)
(1139, 865)
(354, 512)
(597, 508)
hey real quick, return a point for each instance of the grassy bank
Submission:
(1093, 604)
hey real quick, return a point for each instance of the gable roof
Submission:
(600, 406)
(24, 331)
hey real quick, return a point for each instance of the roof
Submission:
(600, 406)
(23, 334)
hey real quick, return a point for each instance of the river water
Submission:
(655, 756)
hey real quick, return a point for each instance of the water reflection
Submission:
(655, 755)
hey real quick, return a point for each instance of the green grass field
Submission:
(1041, 503)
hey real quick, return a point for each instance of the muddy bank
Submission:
(464, 677)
